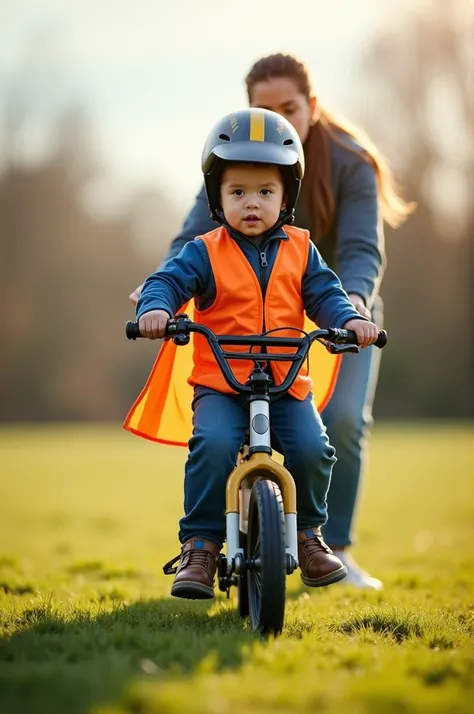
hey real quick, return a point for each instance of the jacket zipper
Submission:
(263, 274)
(263, 285)
(263, 262)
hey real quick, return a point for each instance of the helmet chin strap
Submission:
(283, 218)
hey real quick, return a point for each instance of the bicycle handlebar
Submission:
(334, 339)
(333, 334)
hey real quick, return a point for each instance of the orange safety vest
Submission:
(162, 412)
(239, 308)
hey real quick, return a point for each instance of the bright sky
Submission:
(155, 75)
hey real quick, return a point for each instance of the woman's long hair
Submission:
(316, 190)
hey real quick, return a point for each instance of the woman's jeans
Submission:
(348, 418)
(220, 423)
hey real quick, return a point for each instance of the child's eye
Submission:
(265, 192)
(238, 192)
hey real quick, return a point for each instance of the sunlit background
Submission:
(104, 107)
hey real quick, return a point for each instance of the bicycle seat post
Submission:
(259, 404)
(259, 431)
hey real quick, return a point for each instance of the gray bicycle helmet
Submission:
(253, 136)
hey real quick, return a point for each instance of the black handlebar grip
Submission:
(381, 340)
(132, 330)
(349, 337)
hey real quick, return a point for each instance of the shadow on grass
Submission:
(60, 662)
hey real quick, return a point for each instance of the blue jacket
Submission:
(354, 247)
(189, 274)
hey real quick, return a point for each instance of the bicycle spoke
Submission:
(258, 581)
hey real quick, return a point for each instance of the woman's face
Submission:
(281, 95)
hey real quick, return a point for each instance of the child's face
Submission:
(252, 197)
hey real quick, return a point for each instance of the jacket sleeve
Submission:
(197, 223)
(182, 278)
(325, 301)
(360, 252)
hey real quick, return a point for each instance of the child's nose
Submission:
(252, 201)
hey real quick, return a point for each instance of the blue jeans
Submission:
(220, 422)
(348, 419)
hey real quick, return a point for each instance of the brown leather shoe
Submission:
(319, 566)
(196, 570)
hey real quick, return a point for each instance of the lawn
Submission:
(88, 516)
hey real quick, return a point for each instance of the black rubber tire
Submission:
(242, 584)
(266, 540)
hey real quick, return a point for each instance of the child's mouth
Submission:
(251, 218)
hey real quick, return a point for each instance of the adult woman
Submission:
(346, 191)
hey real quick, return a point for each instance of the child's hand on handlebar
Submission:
(366, 332)
(153, 324)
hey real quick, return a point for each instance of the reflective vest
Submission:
(240, 309)
(162, 411)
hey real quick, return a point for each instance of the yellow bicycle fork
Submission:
(239, 482)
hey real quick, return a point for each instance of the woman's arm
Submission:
(324, 299)
(360, 251)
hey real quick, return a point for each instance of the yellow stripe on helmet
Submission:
(257, 126)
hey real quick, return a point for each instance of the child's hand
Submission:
(153, 324)
(366, 332)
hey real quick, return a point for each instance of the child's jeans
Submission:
(220, 422)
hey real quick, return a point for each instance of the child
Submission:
(252, 274)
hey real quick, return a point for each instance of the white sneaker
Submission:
(356, 577)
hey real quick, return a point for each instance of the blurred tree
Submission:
(419, 90)
(65, 280)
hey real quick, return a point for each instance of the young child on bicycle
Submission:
(254, 273)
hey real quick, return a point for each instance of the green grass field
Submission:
(88, 515)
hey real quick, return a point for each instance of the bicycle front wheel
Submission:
(266, 557)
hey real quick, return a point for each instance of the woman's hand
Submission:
(366, 332)
(153, 324)
(136, 294)
(359, 305)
